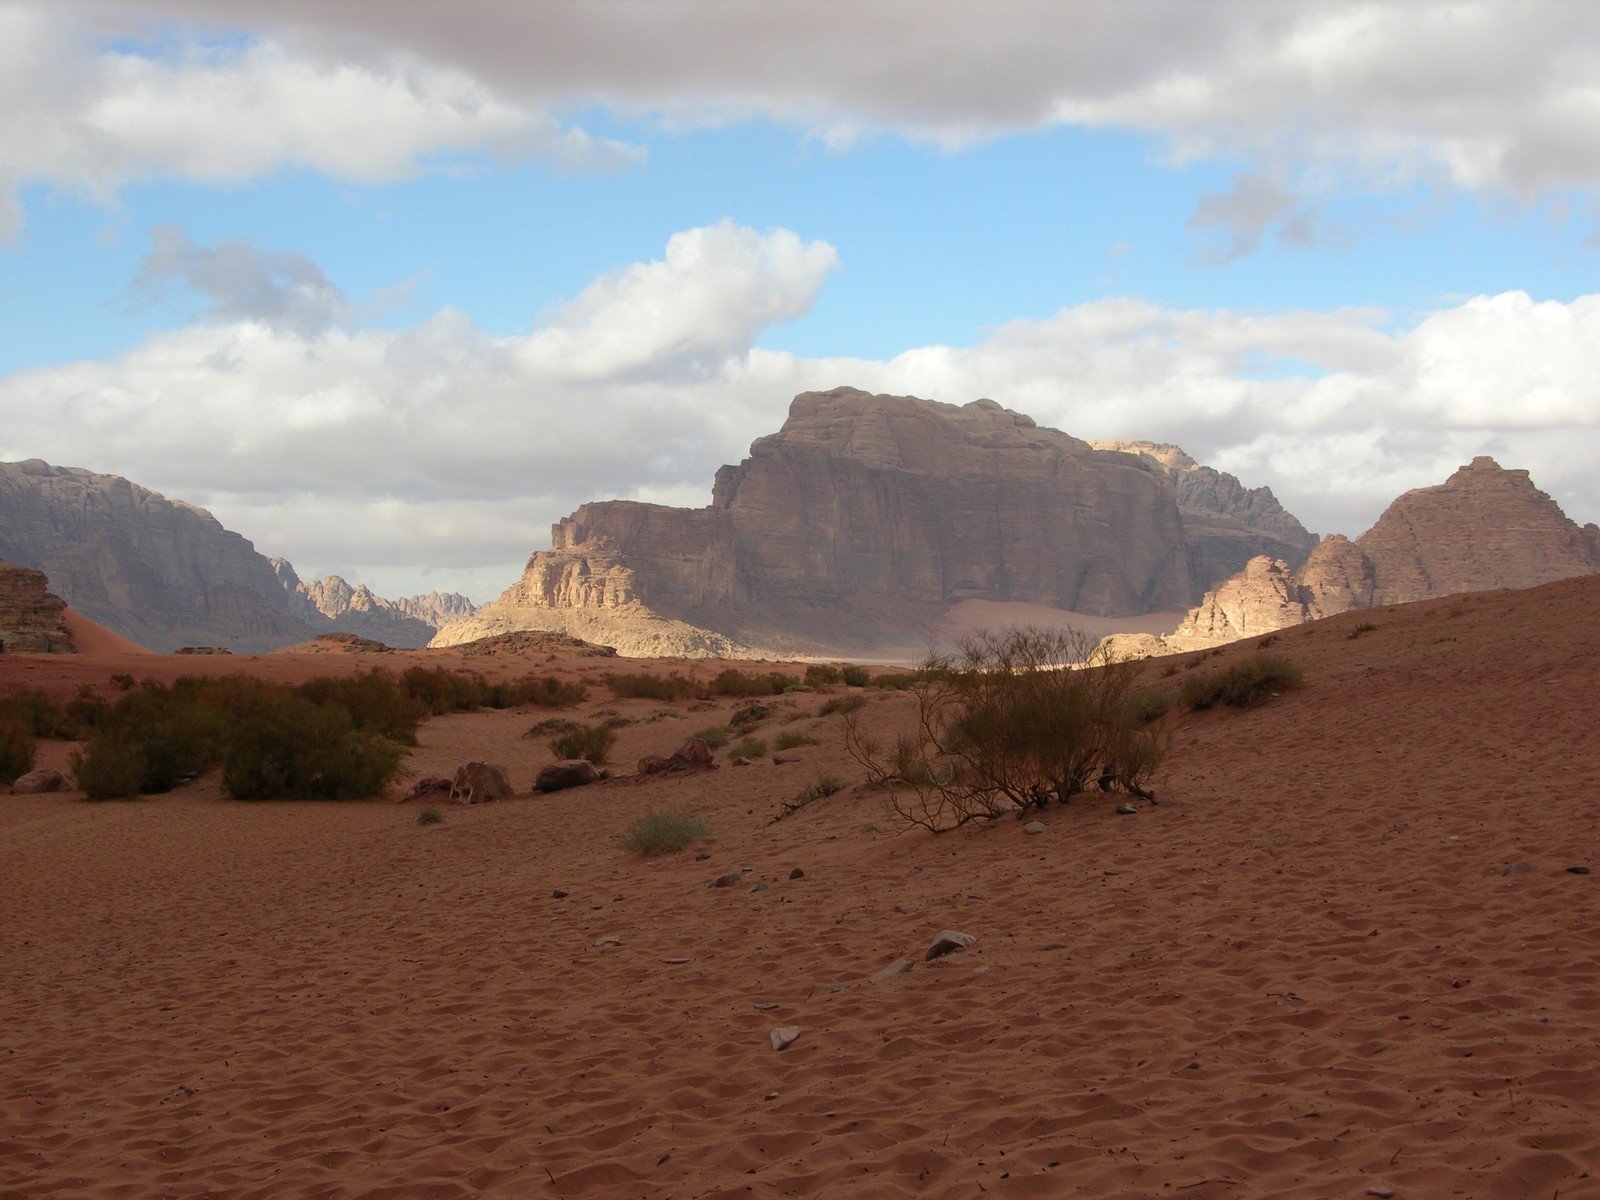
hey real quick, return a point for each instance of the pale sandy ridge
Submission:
(1319, 965)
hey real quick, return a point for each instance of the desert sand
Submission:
(1344, 955)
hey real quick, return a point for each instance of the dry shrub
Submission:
(592, 742)
(664, 833)
(1243, 683)
(1009, 722)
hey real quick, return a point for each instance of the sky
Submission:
(390, 286)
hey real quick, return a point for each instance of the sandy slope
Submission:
(1318, 966)
(90, 637)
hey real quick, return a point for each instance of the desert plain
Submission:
(1352, 950)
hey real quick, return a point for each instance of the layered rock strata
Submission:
(867, 516)
(32, 618)
(1485, 527)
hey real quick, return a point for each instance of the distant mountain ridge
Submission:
(167, 574)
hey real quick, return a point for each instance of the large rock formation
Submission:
(1225, 524)
(166, 574)
(866, 517)
(1485, 527)
(337, 606)
(32, 618)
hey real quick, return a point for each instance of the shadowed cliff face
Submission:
(867, 515)
(32, 619)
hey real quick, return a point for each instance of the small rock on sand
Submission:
(948, 942)
(1034, 827)
(36, 782)
(784, 1035)
(1126, 810)
(797, 873)
(898, 967)
(730, 879)
(780, 759)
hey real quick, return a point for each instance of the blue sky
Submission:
(391, 294)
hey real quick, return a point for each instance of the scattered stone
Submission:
(428, 785)
(695, 752)
(568, 773)
(750, 714)
(759, 887)
(1381, 1190)
(1126, 810)
(765, 1006)
(479, 782)
(797, 873)
(1577, 870)
(948, 942)
(784, 1035)
(731, 879)
(898, 967)
(654, 764)
(1518, 868)
(741, 761)
(558, 894)
(703, 856)
(785, 757)
(840, 987)
(1034, 827)
(36, 782)
(675, 962)
(606, 943)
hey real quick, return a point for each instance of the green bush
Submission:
(592, 742)
(826, 785)
(374, 701)
(788, 739)
(108, 767)
(841, 704)
(16, 750)
(1243, 683)
(1010, 722)
(1149, 705)
(430, 816)
(549, 725)
(856, 676)
(736, 683)
(750, 747)
(822, 675)
(899, 681)
(286, 747)
(663, 833)
(644, 685)
(716, 736)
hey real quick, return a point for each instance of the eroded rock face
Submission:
(31, 616)
(866, 513)
(1225, 524)
(158, 571)
(479, 783)
(1485, 527)
(345, 608)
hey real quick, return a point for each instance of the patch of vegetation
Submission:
(856, 676)
(549, 725)
(47, 716)
(430, 816)
(1010, 722)
(822, 675)
(717, 736)
(645, 685)
(788, 739)
(592, 742)
(16, 750)
(1149, 705)
(664, 832)
(825, 785)
(122, 682)
(750, 747)
(749, 716)
(736, 683)
(1364, 627)
(899, 681)
(1244, 683)
(841, 704)
(328, 739)
(437, 690)
(1263, 643)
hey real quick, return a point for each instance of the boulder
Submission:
(428, 786)
(480, 782)
(654, 764)
(32, 618)
(568, 773)
(35, 782)
(694, 755)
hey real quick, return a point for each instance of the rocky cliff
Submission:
(866, 516)
(167, 574)
(32, 618)
(1225, 524)
(334, 605)
(1485, 527)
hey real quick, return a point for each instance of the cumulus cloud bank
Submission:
(438, 455)
(1479, 94)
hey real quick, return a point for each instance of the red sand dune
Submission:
(90, 637)
(1344, 952)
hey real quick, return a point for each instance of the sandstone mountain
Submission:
(32, 618)
(405, 624)
(1225, 524)
(1485, 527)
(865, 517)
(166, 574)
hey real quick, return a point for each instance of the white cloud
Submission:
(1483, 94)
(443, 451)
(82, 113)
